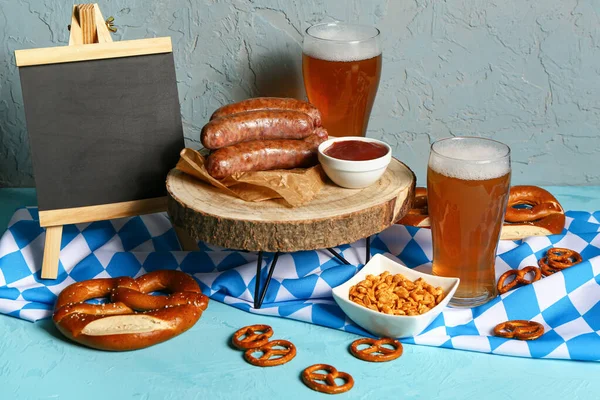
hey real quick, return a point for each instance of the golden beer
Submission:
(341, 66)
(468, 182)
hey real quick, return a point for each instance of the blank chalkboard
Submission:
(102, 131)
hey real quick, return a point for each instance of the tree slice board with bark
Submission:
(335, 216)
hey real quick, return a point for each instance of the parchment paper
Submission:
(295, 186)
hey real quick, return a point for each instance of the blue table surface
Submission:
(37, 363)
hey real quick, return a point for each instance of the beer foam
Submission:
(470, 159)
(338, 42)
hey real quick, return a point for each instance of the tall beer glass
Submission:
(468, 182)
(341, 65)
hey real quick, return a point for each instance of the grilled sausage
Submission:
(270, 103)
(264, 155)
(256, 125)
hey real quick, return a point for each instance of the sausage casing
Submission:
(256, 125)
(270, 103)
(264, 155)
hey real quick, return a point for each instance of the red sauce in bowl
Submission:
(356, 150)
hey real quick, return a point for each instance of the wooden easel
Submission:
(88, 27)
(90, 41)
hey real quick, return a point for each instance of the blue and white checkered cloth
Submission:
(566, 303)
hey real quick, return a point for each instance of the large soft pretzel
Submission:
(133, 319)
(543, 215)
(541, 202)
(418, 215)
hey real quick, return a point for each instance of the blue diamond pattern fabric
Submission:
(566, 303)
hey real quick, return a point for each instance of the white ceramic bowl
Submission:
(353, 174)
(385, 325)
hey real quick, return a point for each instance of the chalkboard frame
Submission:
(84, 53)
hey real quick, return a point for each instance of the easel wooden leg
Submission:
(185, 240)
(51, 252)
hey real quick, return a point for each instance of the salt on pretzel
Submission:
(543, 215)
(133, 319)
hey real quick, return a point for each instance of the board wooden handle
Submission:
(87, 20)
(88, 25)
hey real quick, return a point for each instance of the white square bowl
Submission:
(385, 325)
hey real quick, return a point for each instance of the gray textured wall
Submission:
(523, 72)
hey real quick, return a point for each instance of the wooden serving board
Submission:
(335, 216)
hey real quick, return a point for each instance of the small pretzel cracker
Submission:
(519, 329)
(265, 360)
(252, 339)
(557, 259)
(376, 352)
(520, 275)
(560, 258)
(310, 378)
(546, 269)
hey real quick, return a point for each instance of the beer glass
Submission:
(468, 182)
(341, 66)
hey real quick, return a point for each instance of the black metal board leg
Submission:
(269, 276)
(342, 259)
(257, 283)
(338, 256)
(259, 295)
